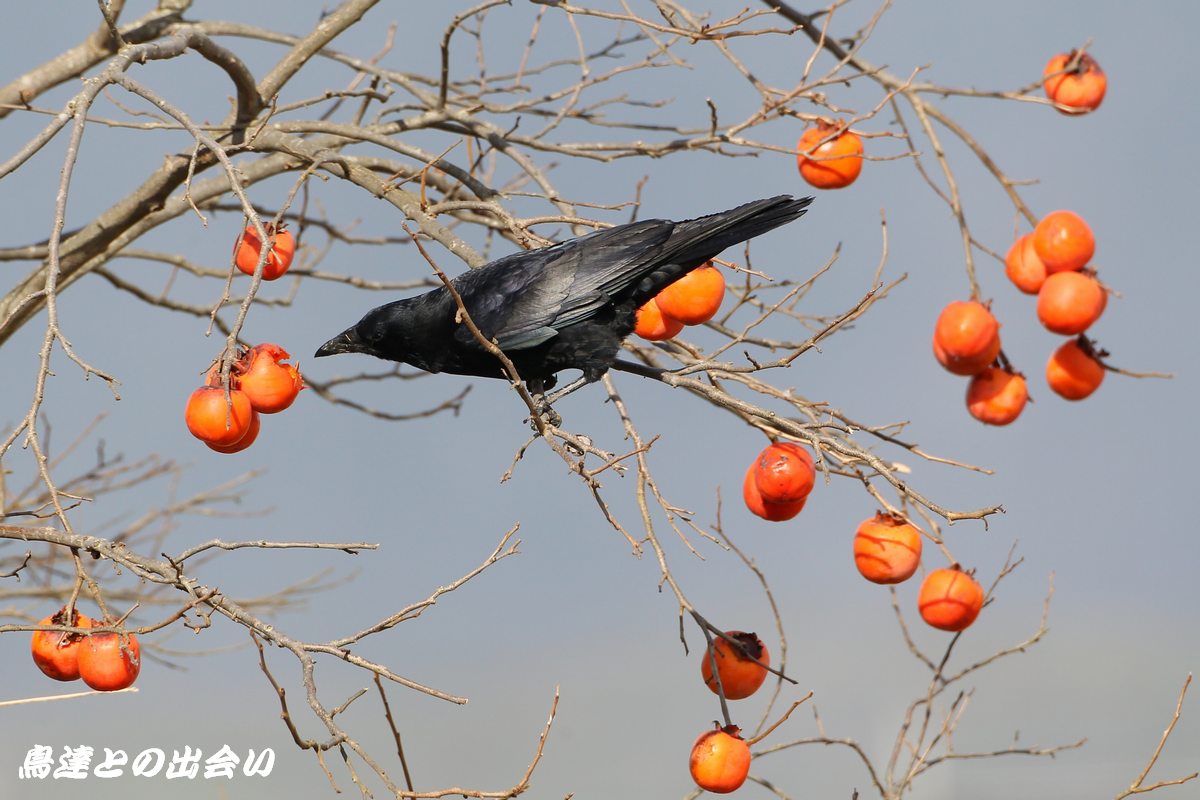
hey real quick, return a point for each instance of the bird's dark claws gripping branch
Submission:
(568, 306)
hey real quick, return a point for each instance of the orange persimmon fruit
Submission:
(997, 396)
(834, 164)
(784, 473)
(950, 599)
(773, 512)
(270, 385)
(740, 676)
(887, 549)
(1069, 302)
(1023, 267)
(279, 257)
(1063, 242)
(109, 661)
(212, 420)
(694, 298)
(1077, 90)
(655, 326)
(720, 760)
(1073, 371)
(966, 337)
(56, 653)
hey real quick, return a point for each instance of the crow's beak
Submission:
(347, 341)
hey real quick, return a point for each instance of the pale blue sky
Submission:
(1098, 493)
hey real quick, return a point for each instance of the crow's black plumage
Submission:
(568, 306)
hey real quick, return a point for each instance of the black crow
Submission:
(567, 306)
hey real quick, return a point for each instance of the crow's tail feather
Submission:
(695, 241)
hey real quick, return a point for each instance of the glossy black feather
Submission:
(568, 306)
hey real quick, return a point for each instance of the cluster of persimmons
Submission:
(259, 381)
(1050, 262)
(106, 661)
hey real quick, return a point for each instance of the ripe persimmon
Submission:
(887, 549)
(1077, 90)
(833, 165)
(271, 386)
(1073, 371)
(1064, 242)
(774, 512)
(695, 297)
(655, 326)
(966, 338)
(109, 661)
(950, 599)
(1023, 267)
(740, 676)
(784, 473)
(244, 442)
(212, 420)
(1069, 302)
(996, 396)
(56, 653)
(279, 257)
(720, 760)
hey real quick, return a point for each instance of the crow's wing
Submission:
(524, 299)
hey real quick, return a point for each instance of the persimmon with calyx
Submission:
(1069, 302)
(655, 326)
(950, 599)
(1078, 89)
(1074, 371)
(56, 653)
(720, 760)
(784, 473)
(834, 164)
(279, 257)
(1063, 242)
(213, 420)
(1023, 267)
(772, 512)
(695, 298)
(740, 673)
(966, 337)
(109, 661)
(887, 549)
(997, 396)
(270, 385)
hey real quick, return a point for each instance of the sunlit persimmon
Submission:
(966, 338)
(56, 653)
(774, 512)
(109, 661)
(887, 549)
(695, 297)
(270, 385)
(212, 420)
(1069, 302)
(1064, 242)
(996, 396)
(1077, 90)
(834, 164)
(1074, 372)
(720, 760)
(653, 325)
(784, 473)
(279, 257)
(1023, 267)
(244, 442)
(740, 674)
(950, 599)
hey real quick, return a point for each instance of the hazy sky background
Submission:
(1098, 493)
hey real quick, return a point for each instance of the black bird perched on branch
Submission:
(567, 306)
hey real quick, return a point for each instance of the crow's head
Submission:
(394, 332)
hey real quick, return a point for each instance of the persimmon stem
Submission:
(780, 721)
